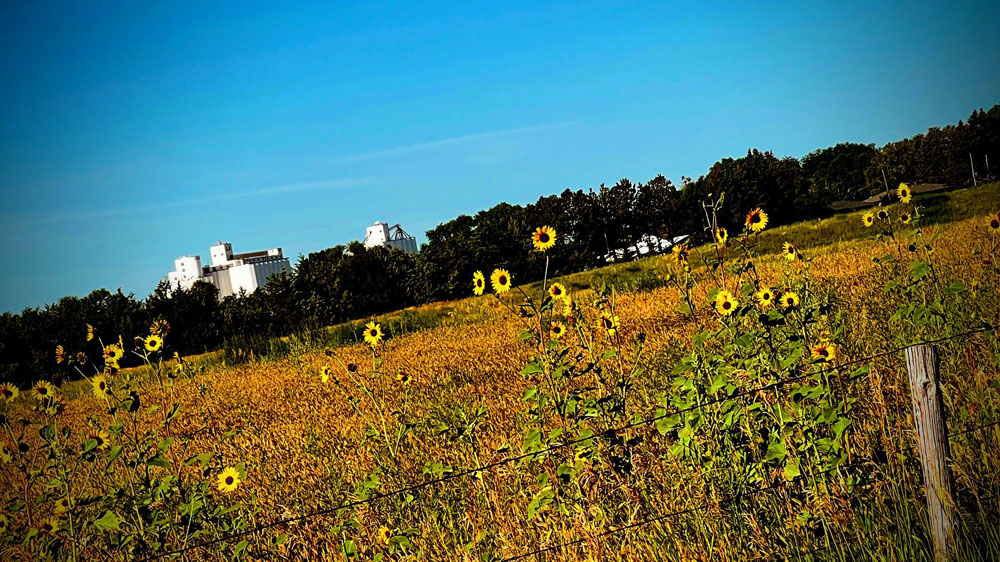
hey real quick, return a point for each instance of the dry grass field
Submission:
(321, 428)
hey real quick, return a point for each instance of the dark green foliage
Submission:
(942, 155)
(837, 173)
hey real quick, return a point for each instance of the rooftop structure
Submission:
(381, 234)
(231, 273)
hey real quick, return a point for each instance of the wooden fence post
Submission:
(932, 439)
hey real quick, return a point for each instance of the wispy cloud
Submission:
(451, 141)
(276, 189)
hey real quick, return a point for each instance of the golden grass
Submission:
(302, 440)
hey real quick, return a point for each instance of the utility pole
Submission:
(973, 166)
(885, 181)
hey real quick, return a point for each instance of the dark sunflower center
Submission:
(503, 279)
(99, 441)
(543, 237)
(727, 305)
(374, 333)
(995, 224)
(479, 282)
(229, 480)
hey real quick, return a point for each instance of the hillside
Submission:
(824, 465)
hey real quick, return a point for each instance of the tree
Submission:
(837, 173)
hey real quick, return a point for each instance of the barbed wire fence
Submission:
(540, 453)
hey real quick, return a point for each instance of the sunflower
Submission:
(721, 236)
(352, 367)
(228, 480)
(113, 353)
(680, 253)
(557, 291)
(373, 333)
(556, 330)
(905, 218)
(384, 534)
(609, 323)
(159, 327)
(904, 193)
(3, 524)
(62, 504)
(789, 299)
(883, 214)
(567, 306)
(5, 456)
(90, 332)
(50, 526)
(995, 223)
(868, 219)
(478, 283)
(544, 238)
(81, 357)
(765, 297)
(101, 437)
(324, 374)
(60, 354)
(8, 392)
(153, 343)
(725, 303)
(500, 280)
(789, 251)
(100, 385)
(43, 390)
(756, 220)
(403, 379)
(824, 353)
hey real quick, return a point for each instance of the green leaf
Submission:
(531, 368)
(109, 521)
(775, 450)
(240, 547)
(957, 286)
(792, 469)
(348, 549)
(919, 270)
(159, 461)
(116, 452)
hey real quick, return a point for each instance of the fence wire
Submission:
(541, 452)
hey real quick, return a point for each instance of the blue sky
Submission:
(133, 133)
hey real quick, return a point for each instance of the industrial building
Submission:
(231, 273)
(381, 234)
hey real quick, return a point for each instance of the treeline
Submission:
(349, 282)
